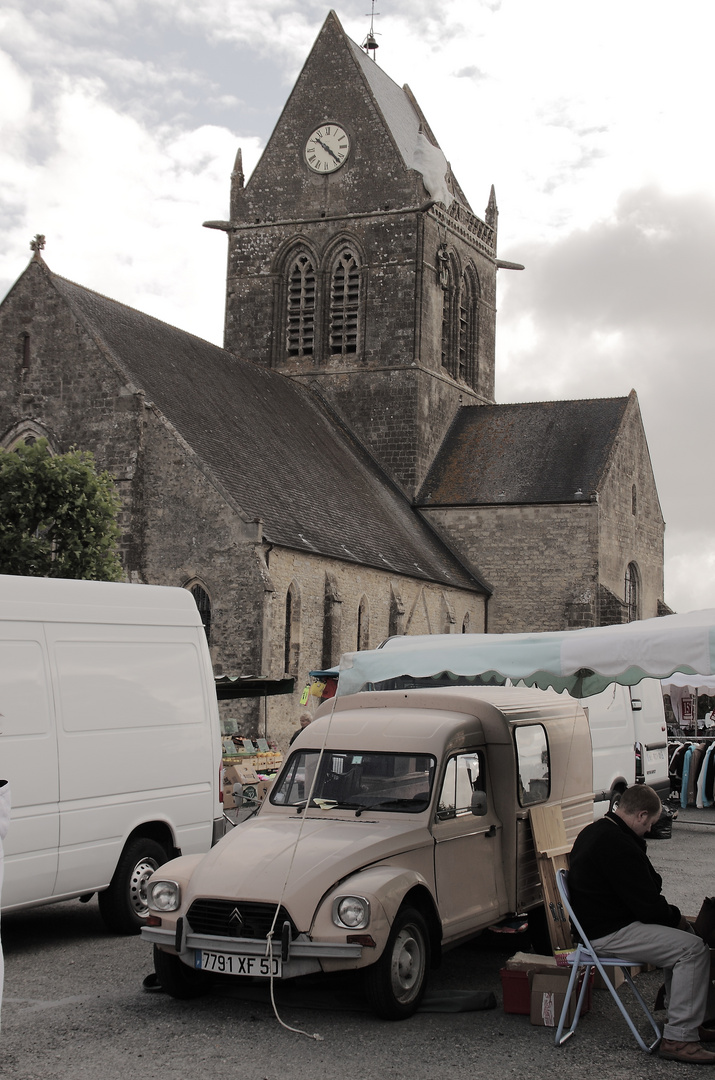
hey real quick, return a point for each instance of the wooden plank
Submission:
(548, 829)
(552, 855)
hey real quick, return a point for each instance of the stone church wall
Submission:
(391, 604)
(631, 526)
(541, 561)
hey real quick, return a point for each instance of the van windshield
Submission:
(349, 780)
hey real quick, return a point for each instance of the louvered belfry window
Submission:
(301, 308)
(344, 305)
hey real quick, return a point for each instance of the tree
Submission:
(58, 515)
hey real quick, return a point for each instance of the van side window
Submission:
(464, 775)
(534, 766)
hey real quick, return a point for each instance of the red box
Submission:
(516, 991)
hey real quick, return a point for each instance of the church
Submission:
(340, 471)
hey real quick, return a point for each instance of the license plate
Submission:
(654, 757)
(231, 964)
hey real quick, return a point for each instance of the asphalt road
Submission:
(75, 1009)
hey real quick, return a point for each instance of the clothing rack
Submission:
(691, 768)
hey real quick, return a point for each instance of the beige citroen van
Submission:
(398, 827)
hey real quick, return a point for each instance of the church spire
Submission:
(491, 214)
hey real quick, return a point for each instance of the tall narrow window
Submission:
(300, 330)
(363, 625)
(468, 330)
(25, 350)
(631, 592)
(344, 305)
(203, 603)
(464, 306)
(447, 292)
(288, 631)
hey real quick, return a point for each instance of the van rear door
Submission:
(28, 759)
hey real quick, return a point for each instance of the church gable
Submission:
(348, 141)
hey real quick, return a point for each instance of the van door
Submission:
(469, 876)
(134, 743)
(28, 759)
(650, 732)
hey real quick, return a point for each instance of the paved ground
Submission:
(75, 1010)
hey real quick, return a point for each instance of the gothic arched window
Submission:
(363, 625)
(203, 603)
(632, 592)
(344, 304)
(300, 324)
(468, 329)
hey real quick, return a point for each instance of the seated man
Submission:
(616, 895)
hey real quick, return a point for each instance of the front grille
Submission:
(237, 918)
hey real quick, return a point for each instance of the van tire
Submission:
(123, 905)
(395, 985)
(177, 979)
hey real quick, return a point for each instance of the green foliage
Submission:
(58, 515)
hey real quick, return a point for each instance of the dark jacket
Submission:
(612, 882)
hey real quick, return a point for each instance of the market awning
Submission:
(583, 662)
(247, 686)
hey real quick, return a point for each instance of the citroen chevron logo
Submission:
(236, 917)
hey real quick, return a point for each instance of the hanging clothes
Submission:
(686, 777)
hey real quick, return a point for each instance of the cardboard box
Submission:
(615, 977)
(548, 993)
(515, 979)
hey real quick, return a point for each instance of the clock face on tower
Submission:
(327, 148)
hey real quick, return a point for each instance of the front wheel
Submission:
(396, 983)
(123, 906)
(176, 978)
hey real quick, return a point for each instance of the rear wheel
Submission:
(123, 905)
(176, 978)
(396, 984)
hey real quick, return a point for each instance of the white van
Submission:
(110, 738)
(630, 742)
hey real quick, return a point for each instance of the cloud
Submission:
(122, 206)
(626, 303)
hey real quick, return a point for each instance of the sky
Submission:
(120, 121)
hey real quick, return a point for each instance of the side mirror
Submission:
(479, 803)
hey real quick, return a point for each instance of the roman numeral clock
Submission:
(327, 148)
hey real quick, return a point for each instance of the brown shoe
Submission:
(691, 1052)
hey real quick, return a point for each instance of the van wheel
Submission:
(396, 983)
(176, 978)
(123, 905)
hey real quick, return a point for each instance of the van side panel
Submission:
(651, 732)
(610, 719)
(135, 743)
(28, 758)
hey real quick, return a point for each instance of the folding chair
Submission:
(584, 958)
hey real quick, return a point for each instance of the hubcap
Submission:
(137, 886)
(407, 964)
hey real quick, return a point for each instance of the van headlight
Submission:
(163, 895)
(351, 912)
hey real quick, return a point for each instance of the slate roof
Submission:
(271, 446)
(402, 115)
(538, 452)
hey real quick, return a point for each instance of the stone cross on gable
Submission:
(38, 243)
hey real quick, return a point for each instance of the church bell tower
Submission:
(356, 265)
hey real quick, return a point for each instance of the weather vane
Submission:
(370, 44)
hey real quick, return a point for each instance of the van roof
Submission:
(61, 600)
(431, 720)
